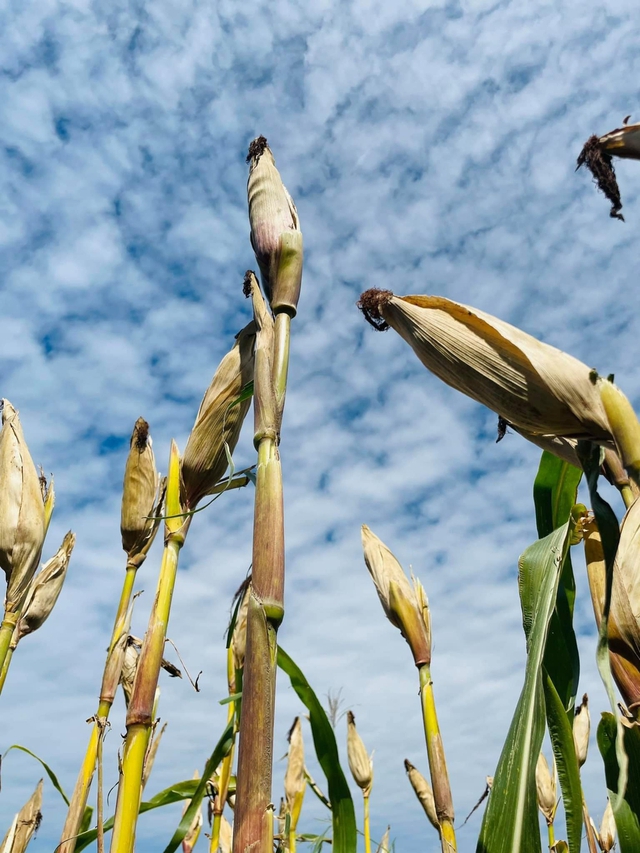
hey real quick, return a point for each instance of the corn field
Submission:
(585, 507)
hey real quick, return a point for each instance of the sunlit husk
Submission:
(22, 516)
(294, 779)
(622, 142)
(546, 789)
(129, 669)
(45, 589)
(581, 730)
(24, 824)
(275, 229)
(423, 792)
(140, 494)
(624, 424)
(217, 427)
(404, 608)
(360, 763)
(534, 386)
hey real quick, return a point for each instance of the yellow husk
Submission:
(360, 763)
(537, 388)
(404, 606)
(622, 142)
(607, 833)
(217, 427)
(22, 516)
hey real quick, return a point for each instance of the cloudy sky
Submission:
(430, 149)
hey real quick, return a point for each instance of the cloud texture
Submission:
(429, 150)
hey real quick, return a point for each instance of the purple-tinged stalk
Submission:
(142, 500)
(277, 242)
(407, 608)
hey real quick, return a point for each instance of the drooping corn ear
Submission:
(546, 789)
(25, 823)
(22, 511)
(625, 596)
(275, 230)
(140, 494)
(217, 427)
(45, 589)
(404, 609)
(423, 792)
(581, 730)
(360, 762)
(295, 781)
(533, 386)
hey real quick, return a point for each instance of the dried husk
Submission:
(625, 596)
(193, 833)
(535, 387)
(275, 230)
(295, 781)
(581, 730)
(45, 589)
(546, 789)
(360, 763)
(152, 751)
(625, 662)
(140, 495)
(607, 832)
(404, 607)
(384, 847)
(129, 669)
(423, 792)
(226, 835)
(22, 516)
(239, 636)
(217, 427)
(25, 823)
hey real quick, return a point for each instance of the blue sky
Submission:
(430, 149)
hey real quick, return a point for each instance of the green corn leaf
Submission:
(627, 813)
(173, 794)
(222, 748)
(561, 734)
(590, 456)
(345, 835)
(554, 493)
(510, 822)
(52, 776)
(190, 789)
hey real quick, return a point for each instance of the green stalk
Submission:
(254, 810)
(5, 667)
(6, 633)
(140, 711)
(367, 827)
(551, 834)
(107, 695)
(437, 763)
